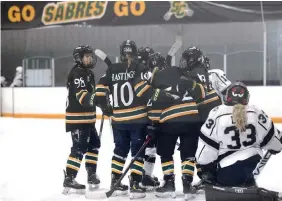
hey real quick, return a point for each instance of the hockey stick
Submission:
(175, 47)
(102, 55)
(105, 195)
(101, 126)
(260, 166)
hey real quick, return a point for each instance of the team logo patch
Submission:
(179, 9)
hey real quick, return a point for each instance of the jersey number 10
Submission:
(119, 93)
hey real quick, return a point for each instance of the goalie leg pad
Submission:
(219, 193)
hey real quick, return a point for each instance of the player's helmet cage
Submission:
(237, 93)
(143, 54)
(127, 47)
(207, 63)
(157, 60)
(190, 58)
(78, 54)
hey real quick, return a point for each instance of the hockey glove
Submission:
(161, 96)
(208, 172)
(108, 111)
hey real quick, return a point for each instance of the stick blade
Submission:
(176, 46)
(97, 195)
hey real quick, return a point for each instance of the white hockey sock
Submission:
(148, 168)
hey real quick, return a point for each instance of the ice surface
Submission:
(33, 154)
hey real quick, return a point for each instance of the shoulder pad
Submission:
(217, 71)
(215, 112)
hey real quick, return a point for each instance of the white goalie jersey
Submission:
(218, 81)
(220, 139)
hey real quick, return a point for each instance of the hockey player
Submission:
(18, 79)
(149, 181)
(217, 79)
(231, 142)
(179, 119)
(80, 120)
(193, 58)
(150, 60)
(129, 117)
(3, 81)
(143, 54)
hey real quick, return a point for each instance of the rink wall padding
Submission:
(50, 102)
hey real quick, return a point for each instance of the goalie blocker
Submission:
(220, 193)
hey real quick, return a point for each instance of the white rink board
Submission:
(34, 152)
(52, 100)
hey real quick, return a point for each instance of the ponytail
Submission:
(129, 59)
(239, 117)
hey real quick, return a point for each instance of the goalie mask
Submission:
(190, 58)
(128, 48)
(157, 60)
(83, 55)
(237, 93)
(144, 53)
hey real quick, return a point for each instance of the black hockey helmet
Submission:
(157, 60)
(144, 53)
(128, 47)
(78, 54)
(190, 58)
(207, 63)
(237, 93)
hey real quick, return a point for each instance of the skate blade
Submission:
(148, 188)
(99, 194)
(68, 191)
(137, 195)
(188, 196)
(93, 187)
(120, 193)
(166, 195)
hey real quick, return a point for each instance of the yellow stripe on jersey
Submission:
(81, 91)
(102, 86)
(179, 106)
(154, 115)
(179, 114)
(82, 121)
(129, 110)
(142, 91)
(214, 97)
(202, 90)
(82, 96)
(80, 114)
(100, 93)
(138, 85)
(139, 116)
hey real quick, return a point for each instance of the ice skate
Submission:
(188, 190)
(136, 191)
(150, 183)
(71, 186)
(120, 189)
(93, 180)
(200, 187)
(168, 189)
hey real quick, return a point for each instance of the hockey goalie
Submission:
(230, 148)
